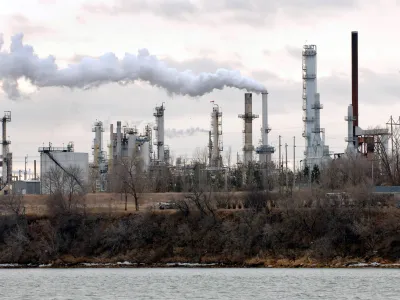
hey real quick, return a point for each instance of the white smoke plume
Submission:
(21, 61)
(174, 133)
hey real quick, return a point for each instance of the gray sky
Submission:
(261, 38)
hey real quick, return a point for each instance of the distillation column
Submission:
(119, 141)
(248, 117)
(350, 137)
(216, 134)
(265, 150)
(159, 114)
(110, 149)
(98, 142)
(6, 169)
(311, 107)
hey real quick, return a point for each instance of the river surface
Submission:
(179, 283)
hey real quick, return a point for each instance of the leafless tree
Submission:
(66, 188)
(388, 160)
(228, 157)
(12, 204)
(93, 176)
(131, 179)
(203, 201)
(200, 155)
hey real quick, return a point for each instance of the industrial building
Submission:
(68, 162)
(150, 149)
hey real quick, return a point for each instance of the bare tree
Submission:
(12, 204)
(202, 201)
(93, 177)
(66, 188)
(228, 157)
(200, 155)
(131, 178)
(388, 160)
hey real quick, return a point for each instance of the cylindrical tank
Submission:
(131, 145)
(145, 155)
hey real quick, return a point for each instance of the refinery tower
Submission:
(316, 152)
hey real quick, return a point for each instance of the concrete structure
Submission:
(265, 151)
(64, 158)
(315, 150)
(26, 187)
(216, 137)
(248, 117)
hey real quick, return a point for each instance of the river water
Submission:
(179, 283)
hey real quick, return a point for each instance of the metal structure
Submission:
(350, 139)
(265, 151)
(216, 137)
(315, 150)
(7, 156)
(248, 117)
(360, 141)
(99, 165)
(159, 114)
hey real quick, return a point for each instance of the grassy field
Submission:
(113, 202)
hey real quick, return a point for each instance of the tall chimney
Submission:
(354, 78)
(34, 169)
(119, 140)
(248, 117)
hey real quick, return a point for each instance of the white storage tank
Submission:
(145, 155)
(66, 160)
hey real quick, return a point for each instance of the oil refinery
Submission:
(147, 144)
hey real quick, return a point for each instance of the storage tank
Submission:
(131, 145)
(145, 155)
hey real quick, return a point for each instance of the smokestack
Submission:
(354, 78)
(119, 137)
(34, 169)
(159, 114)
(215, 137)
(4, 150)
(248, 128)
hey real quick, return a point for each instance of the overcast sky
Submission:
(261, 38)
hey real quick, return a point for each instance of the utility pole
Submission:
(280, 145)
(26, 161)
(392, 122)
(294, 161)
(286, 168)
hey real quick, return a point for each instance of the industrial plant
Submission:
(147, 145)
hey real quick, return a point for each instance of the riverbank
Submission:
(290, 238)
(305, 262)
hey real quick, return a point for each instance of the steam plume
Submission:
(21, 61)
(173, 133)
